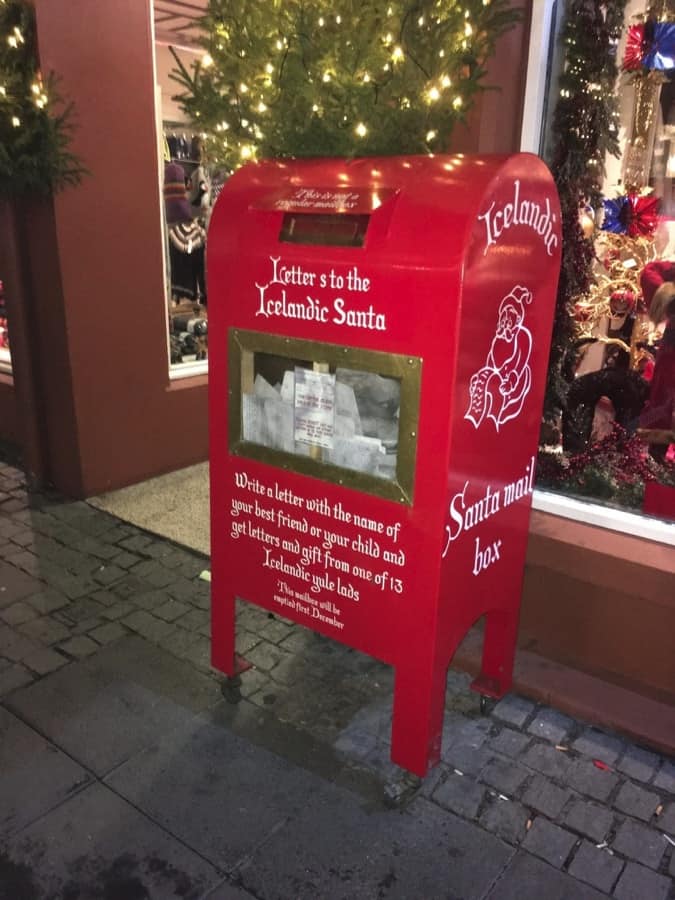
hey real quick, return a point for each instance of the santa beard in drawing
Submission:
(498, 390)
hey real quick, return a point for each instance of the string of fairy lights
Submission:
(13, 96)
(347, 75)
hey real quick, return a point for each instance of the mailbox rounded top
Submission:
(418, 207)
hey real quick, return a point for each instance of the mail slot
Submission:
(378, 343)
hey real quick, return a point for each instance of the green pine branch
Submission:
(340, 78)
(36, 125)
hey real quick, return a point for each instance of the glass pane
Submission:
(347, 417)
(5, 358)
(343, 414)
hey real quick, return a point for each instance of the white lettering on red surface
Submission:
(275, 301)
(519, 211)
(498, 390)
(465, 515)
(322, 556)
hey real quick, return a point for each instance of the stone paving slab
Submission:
(94, 847)
(103, 710)
(228, 891)
(214, 790)
(34, 775)
(528, 878)
(336, 850)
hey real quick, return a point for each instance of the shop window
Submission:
(5, 357)
(343, 414)
(189, 186)
(616, 440)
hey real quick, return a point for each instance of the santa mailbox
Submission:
(379, 337)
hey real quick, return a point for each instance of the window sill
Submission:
(642, 526)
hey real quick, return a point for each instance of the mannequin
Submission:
(187, 239)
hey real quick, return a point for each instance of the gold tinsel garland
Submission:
(616, 292)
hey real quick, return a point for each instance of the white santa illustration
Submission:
(498, 390)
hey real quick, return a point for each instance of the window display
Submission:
(187, 205)
(614, 377)
(345, 414)
(5, 358)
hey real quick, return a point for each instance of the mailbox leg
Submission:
(499, 648)
(419, 703)
(223, 609)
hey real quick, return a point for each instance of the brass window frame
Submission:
(243, 344)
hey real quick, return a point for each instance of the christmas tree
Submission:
(340, 78)
(35, 126)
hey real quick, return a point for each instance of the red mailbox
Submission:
(379, 334)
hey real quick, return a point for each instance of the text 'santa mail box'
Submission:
(379, 336)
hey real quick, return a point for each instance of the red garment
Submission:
(659, 410)
(653, 276)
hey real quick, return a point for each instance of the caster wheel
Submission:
(486, 704)
(230, 688)
(399, 791)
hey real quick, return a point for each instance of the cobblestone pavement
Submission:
(105, 684)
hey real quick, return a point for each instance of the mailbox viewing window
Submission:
(343, 414)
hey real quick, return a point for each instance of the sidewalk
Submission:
(125, 774)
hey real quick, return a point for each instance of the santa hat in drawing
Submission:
(518, 297)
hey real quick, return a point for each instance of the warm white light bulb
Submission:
(397, 54)
(361, 130)
(433, 94)
(16, 122)
(207, 60)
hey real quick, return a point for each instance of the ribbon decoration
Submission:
(632, 57)
(650, 46)
(616, 215)
(643, 215)
(634, 215)
(660, 55)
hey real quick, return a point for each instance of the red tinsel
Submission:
(635, 41)
(622, 455)
(643, 215)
